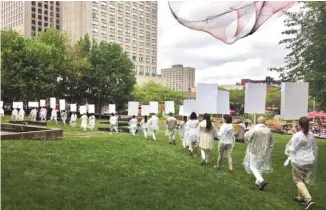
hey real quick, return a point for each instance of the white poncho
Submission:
(84, 119)
(91, 122)
(191, 132)
(171, 125)
(302, 151)
(259, 149)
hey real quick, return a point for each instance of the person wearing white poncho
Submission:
(114, 123)
(171, 126)
(14, 114)
(54, 115)
(153, 126)
(133, 125)
(91, 122)
(84, 120)
(73, 119)
(226, 142)
(258, 157)
(63, 117)
(192, 135)
(33, 114)
(144, 125)
(302, 150)
(43, 113)
(207, 133)
(182, 130)
(21, 114)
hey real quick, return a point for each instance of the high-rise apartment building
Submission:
(30, 17)
(132, 24)
(179, 78)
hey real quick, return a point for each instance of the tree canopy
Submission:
(306, 42)
(50, 66)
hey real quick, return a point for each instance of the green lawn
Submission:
(96, 170)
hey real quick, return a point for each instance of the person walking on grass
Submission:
(84, 121)
(171, 126)
(182, 129)
(207, 133)
(226, 142)
(192, 133)
(302, 150)
(258, 159)
(114, 123)
(133, 125)
(144, 125)
(153, 126)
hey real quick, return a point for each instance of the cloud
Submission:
(215, 61)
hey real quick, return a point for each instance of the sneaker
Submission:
(170, 142)
(203, 162)
(217, 167)
(262, 185)
(174, 143)
(230, 170)
(309, 204)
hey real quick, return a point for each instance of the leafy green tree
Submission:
(307, 42)
(273, 97)
(12, 54)
(111, 79)
(155, 92)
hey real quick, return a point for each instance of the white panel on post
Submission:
(133, 108)
(82, 109)
(206, 98)
(73, 107)
(91, 108)
(189, 106)
(53, 103)
(255, 98)
(153, 107)
(169, 107)
(62, 104)
(145, 110)
(42, 103)
(181, 110)
(294, 100)
(1, 104)
(20, 105)
(33, 104)
(112, 109)
(223, 106)
(14, 105)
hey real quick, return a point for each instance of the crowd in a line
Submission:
(87, 122)
(301, 150)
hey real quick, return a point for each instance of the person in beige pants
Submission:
(302, 151)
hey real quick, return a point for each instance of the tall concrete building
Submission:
(132, 24)
(30, 17)
(179, 78)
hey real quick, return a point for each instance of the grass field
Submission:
(96, 170)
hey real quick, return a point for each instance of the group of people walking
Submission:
(301, 149)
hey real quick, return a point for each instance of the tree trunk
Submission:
(100, 106)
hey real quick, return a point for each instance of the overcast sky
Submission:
(215, 61)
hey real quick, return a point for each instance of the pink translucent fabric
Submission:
(232, 21)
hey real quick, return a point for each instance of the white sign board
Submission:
(1, 104)
(133, 108)
(42, 103)
(153, 107)
(73, 107)
(145, 110)
(91, 108)
(20, 105)
(206, 98)
(62, 104)
(53, 103)
(181, 110)
(223, 106)
(294, 100)
(32, 104)
(14, 105)
(189, 106)
(112, 109)
(255, 98)
(169, 107)
(82, 109)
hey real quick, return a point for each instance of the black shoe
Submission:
(262, 185)
(174, 143)
(203, 162)
(190, 153)
(170, 142)
(309, 204)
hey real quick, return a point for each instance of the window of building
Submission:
(33, 3)
(40, 4)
